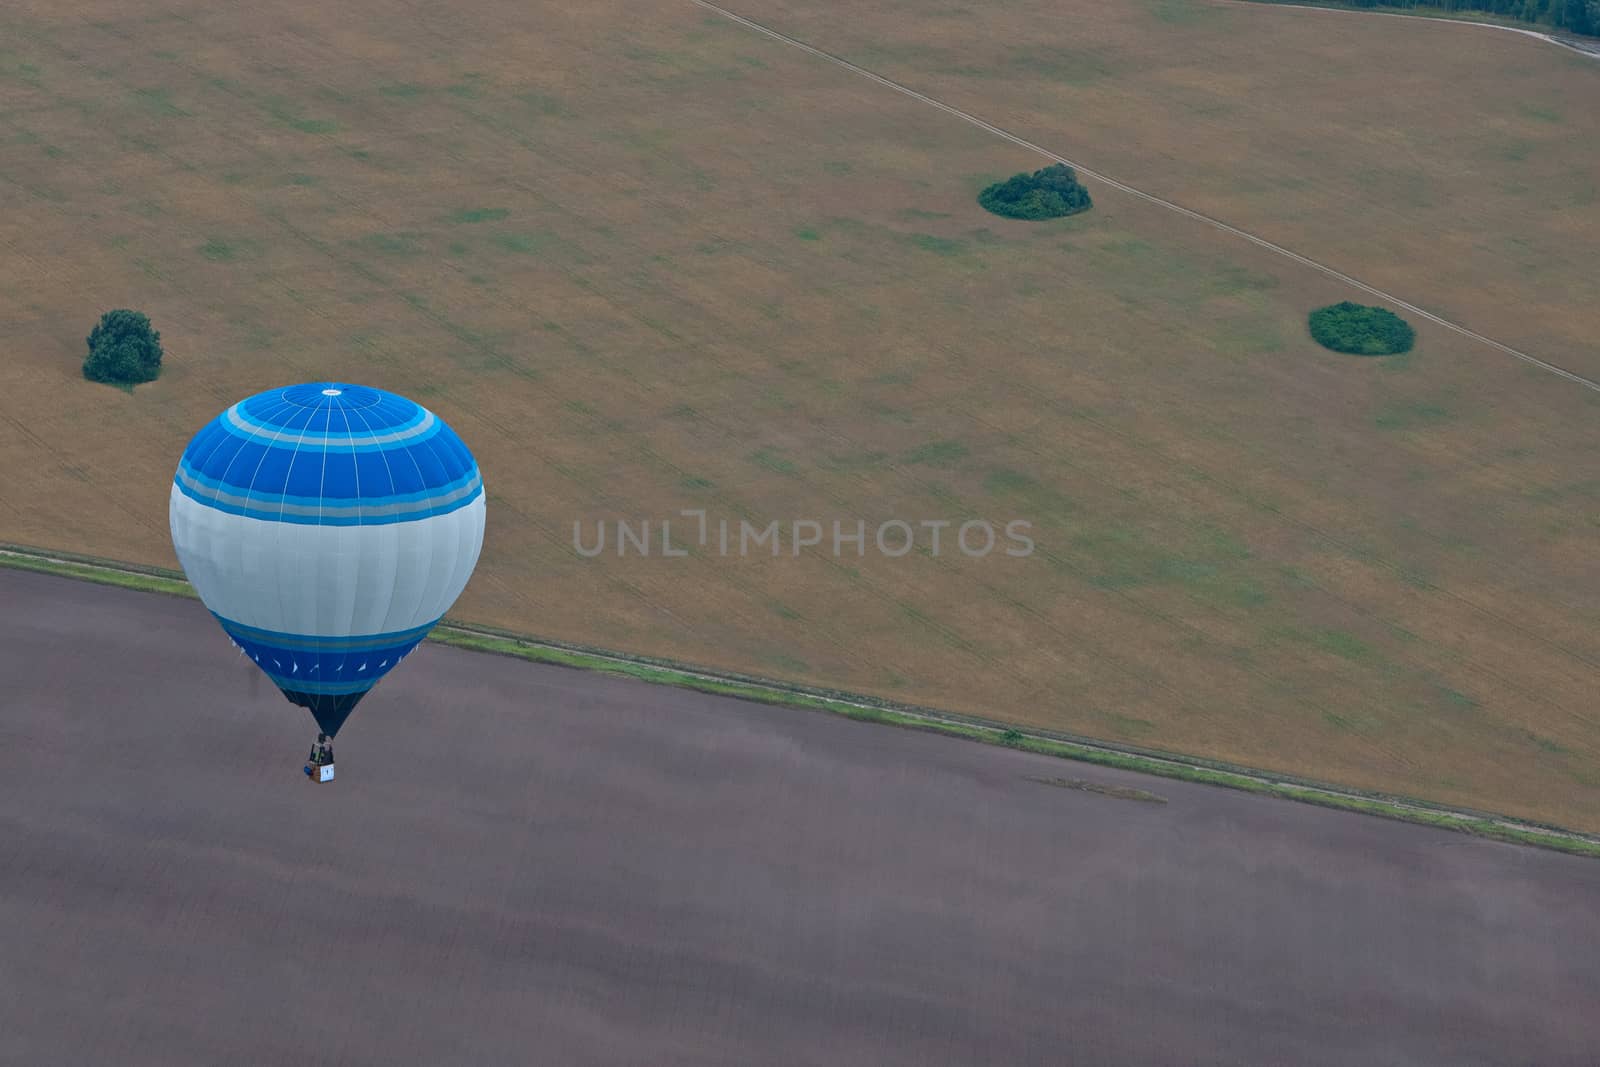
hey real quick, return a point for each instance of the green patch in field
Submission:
(790, 664)
(769, 459)
(540, 243)
(887, 411)
(1126, 246)
(917, 214)
(1005, 480)
(1209, 108)
(1415, 577)
(1456, 700)
(774, 398)
(391, 244)
(1182, 12)
(1220, 544)
(1252, 334)
(1551, 113)
(470, 87)
(1236, 592)
(1126, 725)
(1186, 570)
(846, 224)
(1585, 190)
(291, 117)
(694, 481)
(479, 214)
(1344, 645)
(783, 611)
(1118, 557)
(853, 461)
(1069, 66)
(1116, 578)
(941, 246)
(1545, 744)
(1234, 280)
(159, 102)
(300, 179)
(1514, 151)
(837, 166)
(1410, 415)
(937, 453)
(545, 103)
(402, 90)
(218, 250)
(1398, 363)
(806, 233)
(26, 73)
(258, 337)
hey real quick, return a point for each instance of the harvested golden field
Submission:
(646, 260)
(1453, 165)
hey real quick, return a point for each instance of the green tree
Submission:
(1572, 16)
(1361, 330)
(1049, 193)
(123, 349)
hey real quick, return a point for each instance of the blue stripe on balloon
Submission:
(331, 672)
(332, 472)
(201, 484)
(323, 430)
(311, 643)
(270, 509)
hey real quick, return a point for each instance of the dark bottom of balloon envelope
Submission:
(329, 709)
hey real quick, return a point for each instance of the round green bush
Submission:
(1045, 194)
(123, 349)
(1361, 330)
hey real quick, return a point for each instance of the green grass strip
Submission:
(865, 709)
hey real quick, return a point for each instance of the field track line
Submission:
(1261, 242)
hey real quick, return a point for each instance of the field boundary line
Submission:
(756, 689)
(1151, 198)
(1570, 44)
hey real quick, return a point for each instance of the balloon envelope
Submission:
(328, 527)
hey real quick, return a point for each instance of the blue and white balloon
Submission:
(328, 527)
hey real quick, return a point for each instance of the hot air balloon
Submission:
(328, 527)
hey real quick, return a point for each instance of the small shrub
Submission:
(1049, 193)
(1361, 330)
(123, 349)
(1011, 737)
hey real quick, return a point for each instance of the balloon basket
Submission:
(323, 773)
